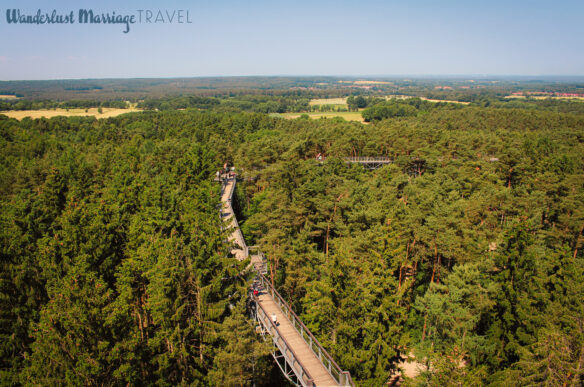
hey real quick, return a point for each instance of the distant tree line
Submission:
(403, 108)
(249, 103)
(71, 104)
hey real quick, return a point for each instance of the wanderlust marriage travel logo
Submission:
(89, 16)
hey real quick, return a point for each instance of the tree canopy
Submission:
(464, 252)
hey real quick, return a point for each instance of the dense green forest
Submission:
(113, 266)
(465, 252)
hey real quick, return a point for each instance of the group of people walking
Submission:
(225, 173)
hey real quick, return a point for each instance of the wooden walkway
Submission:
(366, 162)
(306, 357)
(289, 331)
(369, 160)
(240, 250)
(228, 216)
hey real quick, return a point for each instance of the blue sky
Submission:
(392, 37)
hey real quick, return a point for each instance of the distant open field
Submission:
(349, 116)
(107, 112)
(328, 101)
(7, 96)
(343, 101)
(364, 82)
(425, 99)
(372, 83)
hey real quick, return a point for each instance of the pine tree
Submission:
(518, 309)
(242, 359)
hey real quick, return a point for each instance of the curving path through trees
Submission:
(298, 353)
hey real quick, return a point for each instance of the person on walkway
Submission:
(275, 319)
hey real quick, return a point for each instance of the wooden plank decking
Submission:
(228, 216)
(305, 356)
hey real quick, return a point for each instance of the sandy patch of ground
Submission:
(411, 369)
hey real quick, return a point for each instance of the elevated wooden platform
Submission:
(369, 162)
(297, 352)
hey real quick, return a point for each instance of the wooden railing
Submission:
(343, 378)
(283, 346)
(255, 251)
(378, 159)
(237, 230)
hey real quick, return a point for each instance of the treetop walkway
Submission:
(369, 162)
(300, 356)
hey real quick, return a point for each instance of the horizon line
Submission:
(384, 76)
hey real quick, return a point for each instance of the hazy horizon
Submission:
(456, 77)
(324, 38)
